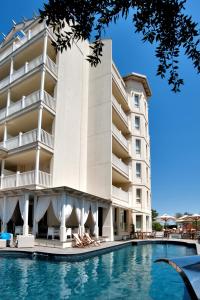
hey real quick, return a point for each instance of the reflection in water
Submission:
(126, 273)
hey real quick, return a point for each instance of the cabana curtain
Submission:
(57, 207)
(41, 208)
(68, 207)
(1, 208)
(10, 205)
(94, 211)
(86, 210)
(22, 207)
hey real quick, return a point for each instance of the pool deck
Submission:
(93, 250)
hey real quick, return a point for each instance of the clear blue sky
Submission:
(174, 118)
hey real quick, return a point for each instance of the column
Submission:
(26, 209)
(4, 225)
(8, 102)
(11, 69)
(62, 223)
(108, 223)
(37, 165)
(39, 129)
(82, 227)
(45, 48)
(96, 227)
(35, 224)
(5, 135)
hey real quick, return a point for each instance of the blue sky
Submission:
(174, 118)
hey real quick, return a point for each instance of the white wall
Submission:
(99, 126)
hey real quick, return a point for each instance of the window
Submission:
(138, 146)
(137, 100)
(138, 195)
(138, 222)
(137, 123)
(147, 198)
(147, 174)
(146, 152)
(138, 170)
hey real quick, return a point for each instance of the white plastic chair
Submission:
(50, 232)
(69, 232)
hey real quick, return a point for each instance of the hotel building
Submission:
(74, 139)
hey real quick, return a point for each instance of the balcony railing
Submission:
(28, 138)
(119, 164)
(119, 81)
(117, 133)
(26, 102)
(26, 178)
(120, 194)
(22, 40)
(120, 110)
(27, 68)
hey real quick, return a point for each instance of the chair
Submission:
(69, 232)
(78, 242)
(159, 234)
(90, 241)
(18, 230)
(50, 232)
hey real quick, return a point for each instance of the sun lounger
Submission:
(78, 241)
(90, 240)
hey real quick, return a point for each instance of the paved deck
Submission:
(94, 250)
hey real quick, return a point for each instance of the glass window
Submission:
(137, 123)
(137, 100)
(138, 195)
(147, 198)
(138, 170)
(138, 146)
(138, 222)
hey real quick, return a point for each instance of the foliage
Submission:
(154, 215)
(157, 226)
(162, 22)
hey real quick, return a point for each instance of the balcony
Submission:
(119, 136)
(120, 165)
(120, 111)
(28, 138)
(119, 82)
(26, 102)
(29, 66)
(22, 40)
(120, 194)
(26, 179)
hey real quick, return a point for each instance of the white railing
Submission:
(120, 110)
(28, 101)
(22, 40)
(117, 162)
(51, 65)
(120, 194)
(47, 139)
(45, 179)
(4, 82)
(49, 101)
(26, 178)
(117, 133)
(119, 81)
(28, 138)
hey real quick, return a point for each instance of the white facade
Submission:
(66, 124)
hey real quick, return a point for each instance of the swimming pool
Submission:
(128, 273)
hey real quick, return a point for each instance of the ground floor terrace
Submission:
(57, 213)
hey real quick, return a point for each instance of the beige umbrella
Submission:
(192, 218)
(166, 218)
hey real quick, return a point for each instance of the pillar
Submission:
(35, 224)
(39, 129)
(37, 165)
(108, 223)
(8, 102)
(11, 68)
(4, 225)
(62, 223)
(5, 135)
(96, 227)
(26, 209)
(82, 227)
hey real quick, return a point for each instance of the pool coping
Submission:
(80, 254)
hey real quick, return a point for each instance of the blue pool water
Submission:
(128, 273)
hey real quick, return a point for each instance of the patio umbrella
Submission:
(192, 218)
(165, 218)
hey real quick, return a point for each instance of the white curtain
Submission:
(86, 210)
(41, 208)
(1, 208)
(57, 206)
(68, 207)
(94, 212)
(78, 210)
(10, 205)
(22, 207)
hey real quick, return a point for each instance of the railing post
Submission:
(29, 34)
(26, 208)
(5, 135)
(17, 178)
(20, 138)
(23, 101)
(39, 129)
(11, 68)
(26, 67)
(45, 49)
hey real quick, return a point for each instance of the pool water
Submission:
(127, 273)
